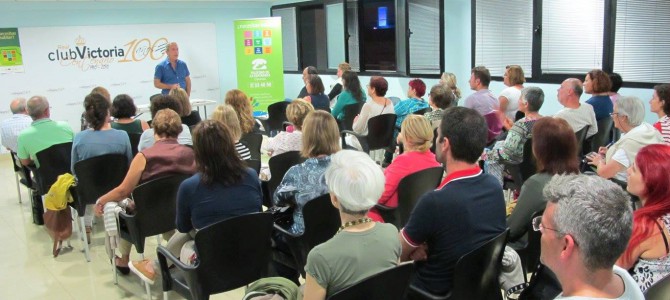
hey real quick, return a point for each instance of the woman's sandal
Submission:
(56, 248)
(122, 270)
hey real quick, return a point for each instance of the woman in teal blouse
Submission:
(352, 93)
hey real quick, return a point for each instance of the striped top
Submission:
(243, 151)
(663, 126)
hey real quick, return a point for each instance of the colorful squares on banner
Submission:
(267, 42)
(258, 50)
(248, 42)
(258, 42)
(248, 34)
(267, 33)
(248, 50)
(258, 33)
(8, 55)
(267, 50)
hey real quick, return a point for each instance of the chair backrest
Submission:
(604, 134)
(421, 112)
(434, 145)
(380, 131)
(279, 165)
(388, 284)
(54, 161)
(659, 290)
(134, 142)
(22, 171)
(532, 258)
(156, 205)
(412, 187)
(350, 113)
(97, 176)
(276, 116)
(253, 141)
(581, 137)
(322, 220)
(476, 273)
(232, 253)
(528, 166)
(254, 164)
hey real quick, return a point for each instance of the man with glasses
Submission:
(585, 228)
(576, 114)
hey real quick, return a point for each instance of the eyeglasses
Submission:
(614, 114)
(537, 225)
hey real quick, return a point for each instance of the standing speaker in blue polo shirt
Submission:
(172, 73)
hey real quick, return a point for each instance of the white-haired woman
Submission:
(362, 247)
(628, 116)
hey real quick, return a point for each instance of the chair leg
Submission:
(148, 288)
(158, 239)
(85, 242)
(18, 186)
(165, 295)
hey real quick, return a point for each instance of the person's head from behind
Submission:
(597, 81)
(343, 67)
(586, 225)
(449, 79)
(378, 86)
(242, 106)
(417, 88)
(215, 154)
(297, 111)
(355, 182)
(554, 146)
(102, 91)
(416, 133)
(617, 82)
(38, 107)
(96, 110)
(351, 83)
(167, 124)
(18, 106)
(320, 134)
(628, 113)
(181, 96)
(480, 77)
(513, 75)
(531, 99)
(225, 114)
(442, 97)
(462, 136)
(160, 102)
(123, 107)
(314, 85)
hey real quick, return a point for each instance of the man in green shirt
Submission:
(42, 133)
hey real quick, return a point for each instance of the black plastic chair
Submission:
(659, 290)
(389, 285)
(54, 161)
(253, 141)
(279, 165)
(95, 177)
(524, 170)
(276, 118)
(134, 142)
(231, 253)
(410, 189)
(581, 141)
(434, 145)
(155, 212)
(21, 174)
(604, 135)
(530, 253)
(380, 133)
(476, 273)
(254, 164)
(322, 220)
(422, 111)
(350, 113)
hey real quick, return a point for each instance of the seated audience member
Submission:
(555, 149)
(306, 72)
(439, 98)
(578, 115)
(160, 102)
(417, 137)
(124, 110)
(189, 117)
(224, 187)
(449, 80)
(242, 105)
(482, 100)
(509, 97)
(438, 231)
(598, 84)
(284, 141)
(99, 140)
(362, 247)
(96, 90)
(10, 128)
(648, 254)
(42, 133)
(165, 157)
(408, 106)
(352, 93)
(336, 88)
(628, 117)
(585, 228)
(315, 91)
(660, 104)
(617, 81)
(510, 150)
(226, 114)
(306, 181)
(377, 106)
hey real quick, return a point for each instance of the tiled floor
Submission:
(29, 270)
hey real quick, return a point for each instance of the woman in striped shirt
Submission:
(226, 114)
(660, 104)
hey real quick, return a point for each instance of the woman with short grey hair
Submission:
(361, 247)
(510, 150)
(628, 116)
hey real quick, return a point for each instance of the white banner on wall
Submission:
(65, 63)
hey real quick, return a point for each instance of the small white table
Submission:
(197, 103)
